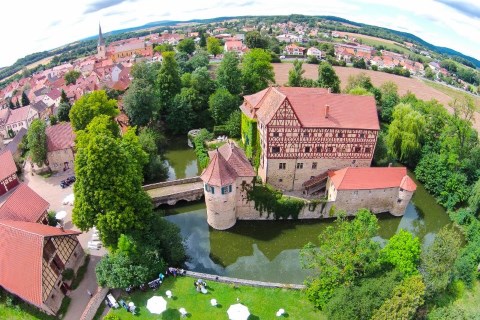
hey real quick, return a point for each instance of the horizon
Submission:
(425, 19)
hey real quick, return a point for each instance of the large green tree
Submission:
(108, 190)
(140, 102)
(295, 75)
(25, 100)
(72, 76)
(154, 169)
(168, 81)
(253, 39)
(403, 252)
(346, 252)
(89, 106)
(229, 75)
(257, 72)
(37, 142)
(389, 99)
(222, 103)
(327, 78)
(213, 46)
(405, 134)
(186, 45)
(181, 116)
(438, 259)
(63, 111)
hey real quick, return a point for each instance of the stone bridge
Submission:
(170, 192)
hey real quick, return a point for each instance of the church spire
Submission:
(101, 41)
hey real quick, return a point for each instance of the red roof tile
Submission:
(60, 136)
(23, 204)
(219, 172)
(372, 178)
(21, 257)
(236, 159)
(7, 165)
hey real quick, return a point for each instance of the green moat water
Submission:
(269, 250)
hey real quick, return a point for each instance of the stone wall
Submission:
(292, 178)
(221, 208)
(57, 159)
(171, 183)
(94, 304)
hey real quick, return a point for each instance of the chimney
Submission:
(327, 110)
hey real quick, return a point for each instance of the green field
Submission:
(453, 93)
(262, 303)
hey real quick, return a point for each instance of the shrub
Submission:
(68, 274)
(200, 150)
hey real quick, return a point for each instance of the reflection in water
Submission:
(269, 250)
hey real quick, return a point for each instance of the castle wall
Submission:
(292, 178)
(221, 208)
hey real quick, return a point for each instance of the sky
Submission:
(31, 26)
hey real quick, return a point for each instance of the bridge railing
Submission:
(171, 183)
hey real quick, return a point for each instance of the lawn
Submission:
(453, 93)
(263, 303)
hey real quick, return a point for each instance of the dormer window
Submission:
(227, 189)
(209, 188)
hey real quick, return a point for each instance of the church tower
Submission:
(101, 50)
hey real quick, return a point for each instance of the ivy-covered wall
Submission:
(251, 140)
(200, 149)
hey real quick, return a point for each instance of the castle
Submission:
(310, 143)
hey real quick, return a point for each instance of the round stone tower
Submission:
(220, 192)
(405, 193)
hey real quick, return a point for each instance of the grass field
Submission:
(25, 311)
(454, 93)
(262, 303)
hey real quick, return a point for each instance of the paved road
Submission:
(171, 190)
(50, 190)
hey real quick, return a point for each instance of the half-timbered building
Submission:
(24, 204)
(8, 172)
(304, 132)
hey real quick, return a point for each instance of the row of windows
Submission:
(224, 190)
(283, 165)
(338, 135)
(319, 149)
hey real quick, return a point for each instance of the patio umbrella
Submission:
(69, 199)
(156, 304)
(238, 312)
(60, 215)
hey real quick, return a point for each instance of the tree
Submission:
(474, 199)
(180, 115)
(346, 252)
(438, 259)
(253, 39)
(429, 74)
(199, 60)
(222, 103)
(186, 45)
(460, 126)
(71, 77)
(164, 47)
(154, 169)
(229, 75)
(168, 81)
(64, 111)
(37, 142)
(257, 72)
(359, 91)
(53, 119)
(327, 48)
(405, 133)
(108, 189)
(403, 252)
(327, 78)
(89, 106)
(25, 100)
(120, 271)
(203, 40)
(390, 99)
(234, 123)
(359, 63)
(295, 75)
(213, 46)
(64, 98)
(361, 80)
(140, 102)
(406, 299)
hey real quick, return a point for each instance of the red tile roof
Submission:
(17, 115)
(7, 165)
(372, 178)
(23, 204)
(21, 257)
(236, 159)
(60, 136)
(309, 105)
(219, 172)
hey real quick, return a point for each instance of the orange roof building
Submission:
(24, 204)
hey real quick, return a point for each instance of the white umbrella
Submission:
(238, 312)
(60, 215)
(156, 304)
(69, 199)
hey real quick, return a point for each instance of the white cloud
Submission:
(31, 26)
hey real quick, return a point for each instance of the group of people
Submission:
(200, 285)
(174, 272)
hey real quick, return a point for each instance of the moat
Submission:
(269, 250)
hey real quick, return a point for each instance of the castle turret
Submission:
(405, 193)
(220, 192)
(101, 49)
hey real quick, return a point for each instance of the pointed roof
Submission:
(372, 178)
(23, 204)
(7, 167)
(101, 41)
(219, 172)
(236, 159)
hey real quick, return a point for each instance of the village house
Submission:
(32, 260)
(16, 119)
(8, 172)
(314, 52)
(13, 144)
(294, 50)
(60, 143)
(235, 46)
(24, 204)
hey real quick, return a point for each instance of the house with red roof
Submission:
(304, 132)
(8, 172)
(294, 50)
(24, 204)
(60, 143)
(386, 189)
(235, 46)
(16, 119)
(32, 259)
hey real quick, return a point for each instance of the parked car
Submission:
(67, 182)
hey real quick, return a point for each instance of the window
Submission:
(307, 149)
(355, 192)
(330, 149)
(319, 149)
(300, 165)
(209, 188)
(275, 134)
(340, 135)
(314, 165)
(362, 135)
(275, 149)
(282, 166)
(227, 189)
(399, 200)
(368, 150)
(280, 180)
(305, 134)
(358, 149)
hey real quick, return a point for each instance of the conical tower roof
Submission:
(101, 41)
(218, 173)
